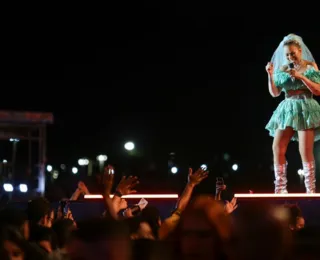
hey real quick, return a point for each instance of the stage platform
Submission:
(93, 204)
(309, 203)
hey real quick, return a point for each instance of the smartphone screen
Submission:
(64, 207)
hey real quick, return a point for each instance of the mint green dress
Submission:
(300, 112)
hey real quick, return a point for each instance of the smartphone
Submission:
(64, 204)
(219, 181)
(143, 202)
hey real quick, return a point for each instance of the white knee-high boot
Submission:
(280, 174)
(309, 172)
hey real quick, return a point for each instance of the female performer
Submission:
(293, 70)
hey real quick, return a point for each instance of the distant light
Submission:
(55, 174)
(14, 140)
(5, 161)
(174, 170)
(102, 158)
(49, 168)
(136, 196)
(23, 187)
(204, 167)
(300, 172)
(74, 170)
(63, 166)
(226, 157)
(129, 146)
(83, 162)
(8, 187)
(235, 167)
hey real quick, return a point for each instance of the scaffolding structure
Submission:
(29, 126)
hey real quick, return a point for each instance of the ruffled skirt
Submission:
(300, 114)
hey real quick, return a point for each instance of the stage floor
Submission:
(308, 203)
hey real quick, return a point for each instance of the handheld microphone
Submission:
(291, 66)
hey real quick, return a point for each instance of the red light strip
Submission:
(271, 195)
(137, 196)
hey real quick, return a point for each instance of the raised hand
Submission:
(108, 176)
(231, 206)
(220, 188)
(83, 188)
(126, 185)
(123, 204)
(196, 177)
(269, 68)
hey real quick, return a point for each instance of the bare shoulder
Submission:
(313, 64)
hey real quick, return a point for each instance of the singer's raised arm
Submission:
(273, 89)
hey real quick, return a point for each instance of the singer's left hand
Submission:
(294, 74)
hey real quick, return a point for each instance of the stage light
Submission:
(8, 187)
(83, 162)
(300, 172)
(23, 188)
(129, 146)
(102, 158)
(49, 168)
(204, 167)
(74, 170)
(174, 170)
(226, 157)
(55, 175)
(235, 167)
(136, 196)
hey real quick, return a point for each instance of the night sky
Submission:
(185, 82)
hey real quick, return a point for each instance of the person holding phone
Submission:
(220, 186)
(64, 205)
(293, 70)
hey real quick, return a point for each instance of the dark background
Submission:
(184, 78)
